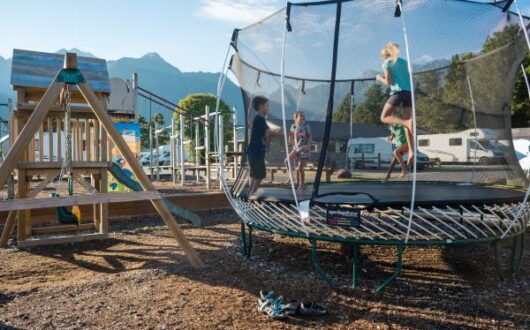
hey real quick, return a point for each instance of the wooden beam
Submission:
(61, 229)
(41, 203)
(137, 170)
(55, 165)
(29, 243)
(27, 133)
(8, 228)
(43, 184)
(79, 178)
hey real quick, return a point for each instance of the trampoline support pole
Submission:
(395, 275)
(316, 265)
(355, 265)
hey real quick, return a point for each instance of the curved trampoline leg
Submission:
(516, 256)
(355, 265)
(521, 253)
(399, 266)
(316, 265)
(246, 245)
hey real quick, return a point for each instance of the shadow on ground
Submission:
(446, 288)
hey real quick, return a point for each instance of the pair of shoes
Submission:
(312, 309)
(271, 304)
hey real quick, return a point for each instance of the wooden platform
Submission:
(190, 201)
(32, 203)
(31, 242)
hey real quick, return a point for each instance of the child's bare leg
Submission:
(398, 155)
(407, 113)
(388, 117)
(390, 169)
(301, 173)
(290, 158)
(252, 186)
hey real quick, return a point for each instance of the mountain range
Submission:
(162, 78)
(154, 74)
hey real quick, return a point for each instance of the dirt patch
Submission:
(140, 279)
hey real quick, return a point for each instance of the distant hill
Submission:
(154, 74)
(75, 50)
(162, 78)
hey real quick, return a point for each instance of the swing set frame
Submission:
(93, 162)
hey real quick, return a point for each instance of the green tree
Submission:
(369, 111)
(195, 106)
(157, 122)
(144, 132)
(520, 103)
(342, 115)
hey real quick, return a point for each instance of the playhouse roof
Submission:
(37, 69)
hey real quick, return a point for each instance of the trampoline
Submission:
(464, 59)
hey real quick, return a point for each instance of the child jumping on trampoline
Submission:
(396, 76)
(397, 132)
(259, 137)
(300, 138)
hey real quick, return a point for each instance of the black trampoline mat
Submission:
(395, 194)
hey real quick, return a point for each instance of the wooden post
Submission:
(24, 216)
(88, 136)
(31, 150)
(41, 142)
(137, 170)
(104, 208)
(58, 138)
(97, 135)
(70, 61)
(8, 228)
(49, 123)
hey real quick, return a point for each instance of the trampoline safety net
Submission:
(322, 58)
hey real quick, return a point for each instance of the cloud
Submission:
(237, 11)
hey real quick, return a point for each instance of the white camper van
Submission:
(376, 153)
(469, 146)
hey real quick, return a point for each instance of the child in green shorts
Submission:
(398, 133)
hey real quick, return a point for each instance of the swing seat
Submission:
(66, 217)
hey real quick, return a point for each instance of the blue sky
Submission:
(191, 34)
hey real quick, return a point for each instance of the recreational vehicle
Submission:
(469, 146)
(376, 153)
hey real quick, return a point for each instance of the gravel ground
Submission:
(140, 279)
